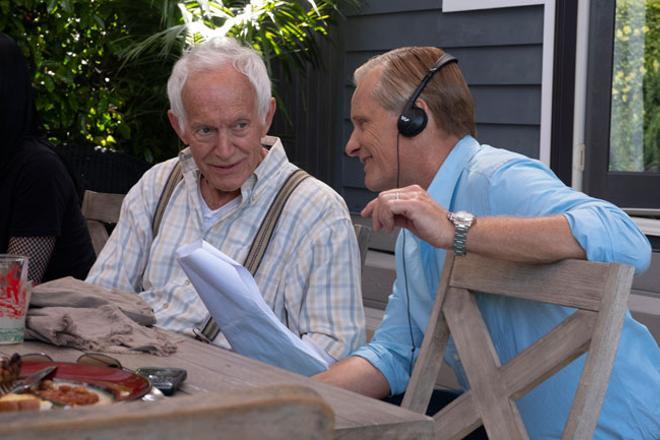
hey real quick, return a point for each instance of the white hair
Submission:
(212, 54)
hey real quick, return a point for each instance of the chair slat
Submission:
(362, 233)
(549, 354)
(103, 207)
(420, 388)
(481, 364)
(98, 234)
(457, 419)
(100, 209)
(571, 283)
(589, 397)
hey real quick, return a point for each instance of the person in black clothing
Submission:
(39, 206)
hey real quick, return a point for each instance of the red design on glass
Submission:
(12, 302)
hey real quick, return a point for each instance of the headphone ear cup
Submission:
(412, 122)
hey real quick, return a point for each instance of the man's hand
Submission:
(411, 208)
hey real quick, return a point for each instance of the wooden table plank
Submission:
(212, 369)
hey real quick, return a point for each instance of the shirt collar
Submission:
(269, 168)
(444, 183)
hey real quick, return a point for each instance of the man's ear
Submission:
(433, 127)
(176, 125)
(268, 120)
(421, 103)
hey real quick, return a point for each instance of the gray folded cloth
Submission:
(70, 292)
(69, 312)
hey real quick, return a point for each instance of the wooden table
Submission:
(212, 369)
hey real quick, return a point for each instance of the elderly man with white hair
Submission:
(222, 108)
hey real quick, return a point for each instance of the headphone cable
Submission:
(403, 263)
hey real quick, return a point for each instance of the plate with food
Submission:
(75, 385)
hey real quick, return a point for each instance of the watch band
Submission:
(462, 221)
(460, 237)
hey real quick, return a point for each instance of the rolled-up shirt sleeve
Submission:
(606, 233)
(391, 350)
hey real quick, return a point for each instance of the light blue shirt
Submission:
(488, 181)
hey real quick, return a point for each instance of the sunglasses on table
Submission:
(93, 359)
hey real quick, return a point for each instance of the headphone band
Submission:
(444, 59)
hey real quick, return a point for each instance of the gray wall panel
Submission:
(507, 105)
(308, 129)
(519, 138)
(356, 199)
(353, 173)
(504, 65)
(508, 26)
(348, 93)
(501, 65)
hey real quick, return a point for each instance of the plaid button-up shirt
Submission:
(309, 276)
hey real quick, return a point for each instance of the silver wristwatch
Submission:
(462, 221)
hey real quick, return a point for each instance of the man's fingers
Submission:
(386, 206)
(369, 209)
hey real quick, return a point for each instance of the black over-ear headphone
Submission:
(413, 119)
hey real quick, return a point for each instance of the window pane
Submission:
(635, 124)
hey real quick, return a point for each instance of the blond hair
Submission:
(447, 94)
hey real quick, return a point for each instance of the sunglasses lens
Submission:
(99, 360)
(36, 357)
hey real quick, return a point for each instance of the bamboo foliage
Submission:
(100, 66)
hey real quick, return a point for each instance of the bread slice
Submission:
(19, 402)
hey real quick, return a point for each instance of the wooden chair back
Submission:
(267, 413)
(598, 291)
(100, 209)
(362, 233)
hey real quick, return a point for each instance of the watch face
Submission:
(463, 217)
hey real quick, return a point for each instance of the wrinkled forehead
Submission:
(221, 84)
(222, 77)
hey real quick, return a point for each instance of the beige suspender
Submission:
(172, 180)
(261, 240)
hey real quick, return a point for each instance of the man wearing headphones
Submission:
(413, 131)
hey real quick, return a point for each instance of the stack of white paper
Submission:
(233, 299)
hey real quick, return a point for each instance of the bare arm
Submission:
(358, 375)
(531, 240)
(522, 239)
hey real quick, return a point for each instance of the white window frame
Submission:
(471, 5)
(548, 56)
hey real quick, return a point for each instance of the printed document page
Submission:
(233, 299)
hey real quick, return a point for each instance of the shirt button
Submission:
(166, 305)
(187, 283)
